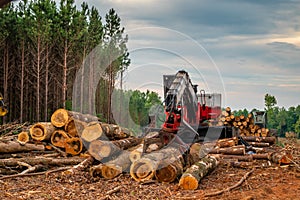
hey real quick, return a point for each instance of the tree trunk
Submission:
(14, 147)
(41, 131)
(259, 144)
(191, 177)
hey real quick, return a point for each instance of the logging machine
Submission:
(189, 111)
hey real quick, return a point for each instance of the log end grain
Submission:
(110, 171)
(60, 117)
(188, 182)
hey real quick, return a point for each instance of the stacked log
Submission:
(69, 130)
(244, 124)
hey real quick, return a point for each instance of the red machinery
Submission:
(183, 103)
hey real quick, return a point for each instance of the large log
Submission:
(115, 167)
(92, 131)
(171, 167)
(61, 117)
(144, 168)
(259, 144)
(236, 150)
(41, 131)
(191, 177)
(14, 147)
(102, 149)
(270, 140)
(113, 131)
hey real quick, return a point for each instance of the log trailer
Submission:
(188, 112)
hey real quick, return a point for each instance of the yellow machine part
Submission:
(3, 111)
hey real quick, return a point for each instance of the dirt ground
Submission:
(267, 181)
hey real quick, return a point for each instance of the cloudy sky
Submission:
(242, 49)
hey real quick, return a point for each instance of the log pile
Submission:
(244, 124)
(72, 133)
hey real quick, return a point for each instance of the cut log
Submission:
(23, 137)
(144, 168)
(96, 171)
(41, 131)
(103, 149)
(14, 147)
(171, 167)
(73, 146)
(236, 150)
(61, 117)
(228, 109)
(136, 152)
(270, 140)
(113, 131)
(282, 157)
(115, 167)
(74, 127)
(191, 177)
(92, 131)
(10, 162)
(59, 138)
(259, 144)
(228, 142)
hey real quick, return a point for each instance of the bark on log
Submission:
(191, 177)
(228, 142)
(113, 131)
(10, 162)
(14, 147)
(102, 149)
(59, 138)
(136, 152)
(74, 127)
(41, 131)
(236, 150)
(92, 131)
(115, 167)
(270, 140)
(259, 144)
(61, 117)
(282, 157)
(171, 167)
(144, 168)
(73, 146)
(23, 137)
